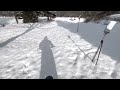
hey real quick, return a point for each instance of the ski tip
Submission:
(49, 77)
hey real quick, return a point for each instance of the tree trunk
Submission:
(16, 19)
(30, 17)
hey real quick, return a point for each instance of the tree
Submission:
(16, 16)
(49, 15)
(30, 17)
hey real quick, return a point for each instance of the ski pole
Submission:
(78, 23)
(99, 51)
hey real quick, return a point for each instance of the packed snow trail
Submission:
(34, 51)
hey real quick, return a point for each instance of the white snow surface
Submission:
(34, 51)
(115, 16)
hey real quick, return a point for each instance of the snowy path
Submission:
(32, 51)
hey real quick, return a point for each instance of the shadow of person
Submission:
(48, 67)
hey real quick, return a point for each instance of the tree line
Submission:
(32, 16)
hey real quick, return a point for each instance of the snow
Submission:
(111, 25)
(34, 51)
(115, 16)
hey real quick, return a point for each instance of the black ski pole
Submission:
(96, 53)
(98, 48)
(99, 51)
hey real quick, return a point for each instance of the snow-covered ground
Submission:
(34, 51)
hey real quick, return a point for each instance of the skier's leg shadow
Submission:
(48, 67)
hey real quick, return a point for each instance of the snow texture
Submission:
(36, 50)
